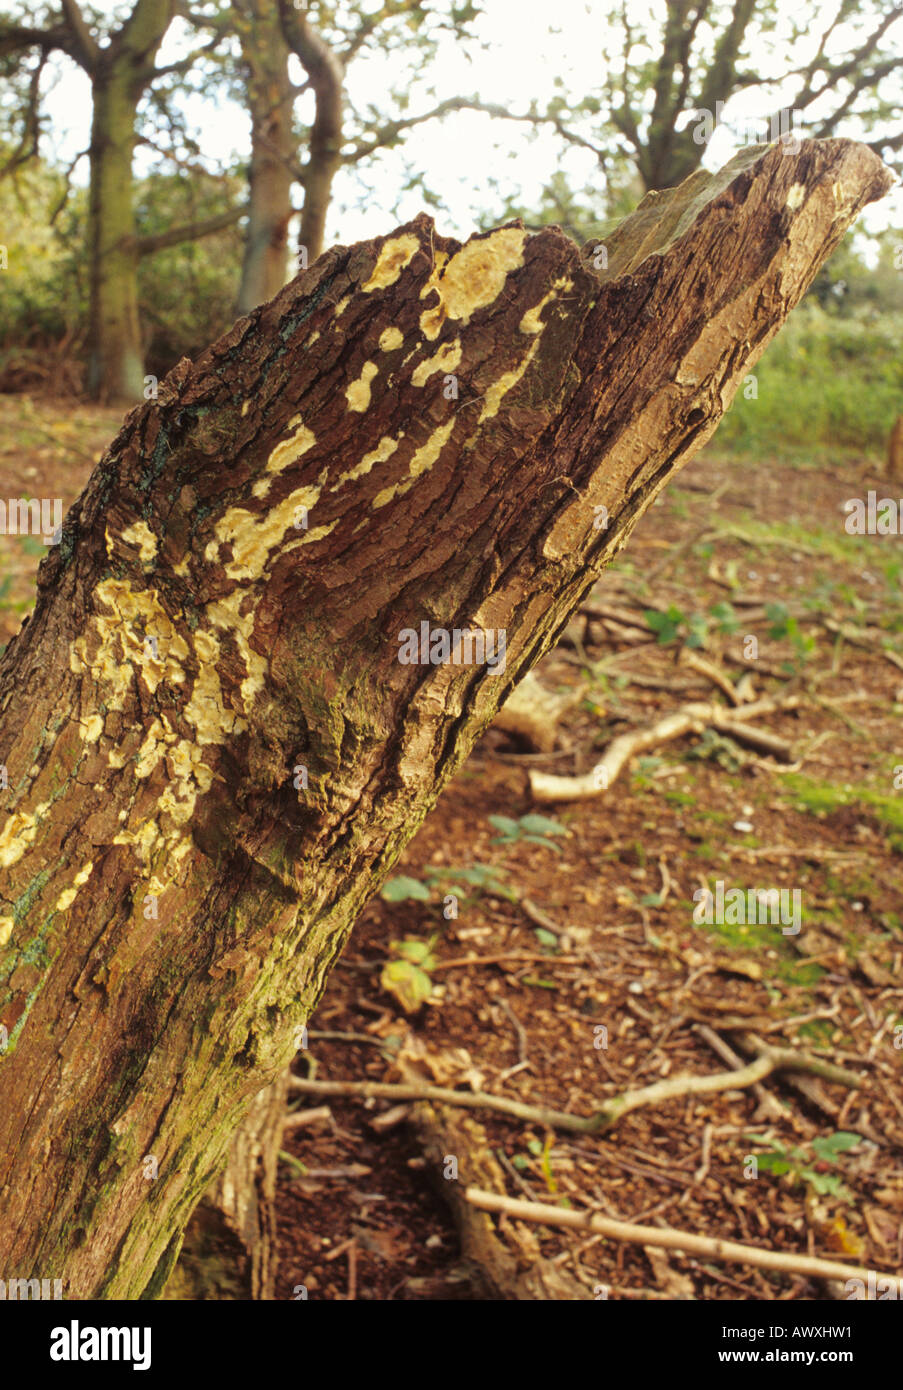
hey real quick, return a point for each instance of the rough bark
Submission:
(229, 1249)
(175, 890)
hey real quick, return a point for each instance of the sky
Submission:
(516, 62)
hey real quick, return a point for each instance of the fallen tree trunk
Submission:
(252, 664)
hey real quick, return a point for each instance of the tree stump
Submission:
(296, 588)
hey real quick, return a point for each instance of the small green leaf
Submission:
(664, 625)
(419, 952)
(402, 889)
(542, 825)
(725, 617)
(410, 985)
(827, 1147)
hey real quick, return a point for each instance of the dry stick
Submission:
(727, 1054)
(599, 612)
(770, 1059)
(758, 738)
(712, 1248)
(857, 637)
(311, 1116)
(687, 719)
(504, 958)
(703, 667)
(539, 918)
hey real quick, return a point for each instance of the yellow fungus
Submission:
(390, 339)
(473, 278)
(358, 392)
(445, 359)
(394, 255)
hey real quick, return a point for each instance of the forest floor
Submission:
(574, 969)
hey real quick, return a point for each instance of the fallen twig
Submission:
(310, 1116)
(767, 1102)
(770, 1059)
(713, 1248)
(703, 667)
(689, 718)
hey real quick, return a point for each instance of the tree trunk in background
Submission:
(215, 753)
(893, 467)
(115, 358)
(324, 153)
(273, 151)
(120, 74)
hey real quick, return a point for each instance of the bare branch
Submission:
(370, 23)
(31, 127)
(188, 231)
(386, 134)
(326, 72)
(85, 48)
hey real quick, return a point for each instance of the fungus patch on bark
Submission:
(394, 255)
(358, 392)
(473, 278)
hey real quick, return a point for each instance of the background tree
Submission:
(270, 95)
(838, 67)
(121, 66)
(239, 51)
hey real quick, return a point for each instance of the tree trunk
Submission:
(229, 1250)
(120, 71)
(115, 357)
(241, 689)
(270, 100)
(326, 76)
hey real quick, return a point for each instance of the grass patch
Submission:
(821, 798)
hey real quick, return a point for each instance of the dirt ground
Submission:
(574, 970)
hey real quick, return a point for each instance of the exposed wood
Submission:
(499, 1263)
(229, 1250)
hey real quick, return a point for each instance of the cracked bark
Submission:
(225, 608)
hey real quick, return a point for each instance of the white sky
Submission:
(517, 64)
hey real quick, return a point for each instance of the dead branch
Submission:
(696, 662)
(690, 718)
(770, 1059)
(690, 1244)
